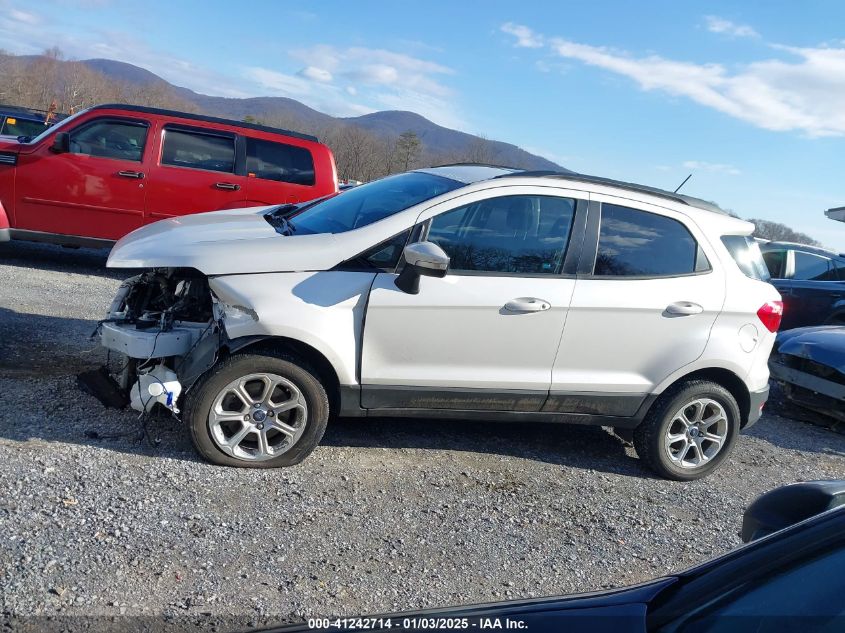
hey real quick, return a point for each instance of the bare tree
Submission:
(778, 232)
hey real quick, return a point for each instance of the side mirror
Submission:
(421, 259)
(789, 505)
(61, 143)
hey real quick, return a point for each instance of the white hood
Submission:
(224, 243)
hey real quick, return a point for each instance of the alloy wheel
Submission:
(697, 433)
(258, 417)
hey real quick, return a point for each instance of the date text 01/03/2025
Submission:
(414, 623)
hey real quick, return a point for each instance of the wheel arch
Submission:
(727, 379)
(312, 356)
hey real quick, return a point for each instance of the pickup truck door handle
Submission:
(527, 304)
(683, 308)
(228, 186)
(131, 174)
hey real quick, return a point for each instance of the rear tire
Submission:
(689, 431)
(257, 411)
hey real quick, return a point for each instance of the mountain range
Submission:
(436, 139)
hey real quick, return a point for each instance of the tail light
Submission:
(770, 314)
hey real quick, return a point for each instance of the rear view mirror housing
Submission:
(61, 143)
(789, 505)
(422, 259)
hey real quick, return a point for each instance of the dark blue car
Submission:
(788, 579)
(811, 281)
(16, 121)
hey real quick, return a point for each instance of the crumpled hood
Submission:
(823, 344)
(223, 243)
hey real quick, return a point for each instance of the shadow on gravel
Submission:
(87, 261)
(38, 346)
(586, 447)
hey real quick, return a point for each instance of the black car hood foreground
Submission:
(612, 611)
(823, 344)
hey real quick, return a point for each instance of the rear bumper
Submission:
(756, 401)
(5, 235)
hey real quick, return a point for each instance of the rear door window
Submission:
(811, 267)
(635, 243)
(279, 161)
(198, 150)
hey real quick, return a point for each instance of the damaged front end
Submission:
(809, 363)
(164, 328)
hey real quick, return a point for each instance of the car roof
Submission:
(817, 250)
(202, 117)
(708, 213)
(468, 173)
(476, 172)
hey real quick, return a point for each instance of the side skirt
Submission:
(624, 411)
(60, 239)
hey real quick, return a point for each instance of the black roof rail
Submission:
(629, 186)
(470, 164)
(202, 117)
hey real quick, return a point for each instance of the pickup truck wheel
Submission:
(257, 411)
(689, 431)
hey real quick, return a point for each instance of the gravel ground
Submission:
(384, 516)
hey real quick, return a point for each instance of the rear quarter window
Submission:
(746, 253)
(279, 161)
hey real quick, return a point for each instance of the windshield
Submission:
(13, 126)
(55, 127)
(364, 205)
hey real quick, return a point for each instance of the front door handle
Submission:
(228, 186)
(527, 304)
(131, 174)
(683, 308)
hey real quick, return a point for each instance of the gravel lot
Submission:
(384, 516)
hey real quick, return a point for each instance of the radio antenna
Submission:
(682, 184)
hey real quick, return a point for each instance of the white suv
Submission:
(464, 291)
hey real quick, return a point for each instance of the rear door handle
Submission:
(527, 304)
(683, 308)
(228, 186)
(131, 174)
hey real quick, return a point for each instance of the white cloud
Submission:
(805, 92)
(525, 37)
(377, 78)
(715, 24)
(718, 168)
(316, 74)
(22, 16)
(292, 85)
(342, 81)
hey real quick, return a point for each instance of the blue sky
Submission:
(749, 97)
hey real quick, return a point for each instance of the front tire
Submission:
(257, 411)
(689, 431)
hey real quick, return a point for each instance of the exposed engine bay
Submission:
(164, 327)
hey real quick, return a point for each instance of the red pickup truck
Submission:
(99, 174)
